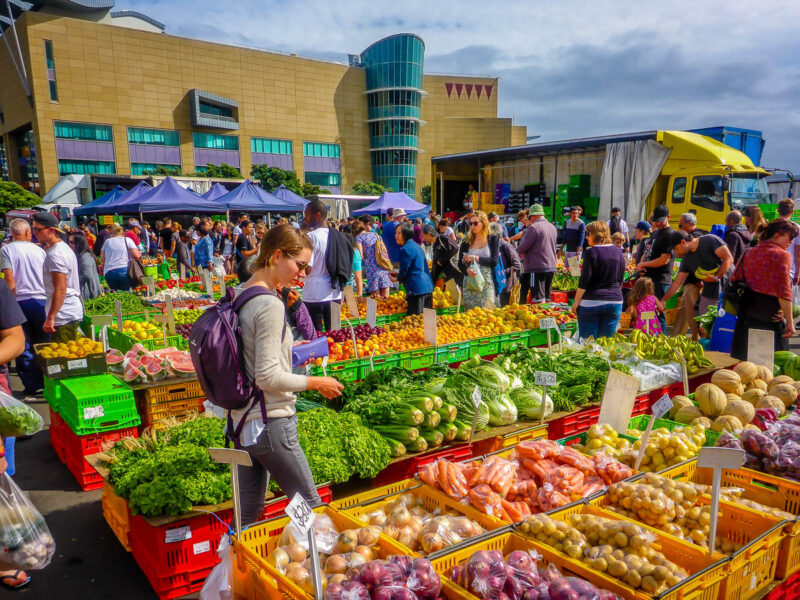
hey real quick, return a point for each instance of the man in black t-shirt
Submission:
(704, 262)
(245, 251)
(165, 236)
(658, 264)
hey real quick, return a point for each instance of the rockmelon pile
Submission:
(729, 402)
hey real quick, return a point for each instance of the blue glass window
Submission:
(154, 137)
(214, 141)
(323, 179)
(83, 131)
(270, 146)
(213, 109)
(147, 168)
(85, 167)
(321, 150)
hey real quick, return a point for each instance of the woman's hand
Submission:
(468, 259)
(327, 386)
(472, 272)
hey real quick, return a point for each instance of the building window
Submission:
(154, 137)
(270, 146)
(150, 169)
(83, 131)
(324, 179)
(216, 142)
(321, 150)
(85, 167)
(51, 70)
(214, 110)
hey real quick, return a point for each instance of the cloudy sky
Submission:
(568, 69)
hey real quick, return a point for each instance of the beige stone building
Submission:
(111, 93)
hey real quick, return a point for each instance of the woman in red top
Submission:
(768, 304)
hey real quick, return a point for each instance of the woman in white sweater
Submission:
(267, 348)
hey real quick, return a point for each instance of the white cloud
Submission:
(568, 69)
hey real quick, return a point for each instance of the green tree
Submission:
(13, 196)
(309, 189)
(162, 170)
(223, 171)
(425, 194)
(368, 188)
(271, 178)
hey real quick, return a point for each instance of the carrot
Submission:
(428, 474)
(537, 449)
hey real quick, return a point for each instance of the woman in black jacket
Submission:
(479, 251)
(444, 250)
(512, 264)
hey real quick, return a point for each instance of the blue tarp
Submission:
(391, 200)
(135, 192)
(250, 196)
(169, 197)
(215, 191)
(287, 195)
(97, 206)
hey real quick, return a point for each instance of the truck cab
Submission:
(707, 178)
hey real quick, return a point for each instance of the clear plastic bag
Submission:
(219, 583)
(25, 539)
(17, 418)
(325, 533)
(474, 280)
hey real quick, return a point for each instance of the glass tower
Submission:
(393, 67)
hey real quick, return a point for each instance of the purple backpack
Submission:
(215, 345)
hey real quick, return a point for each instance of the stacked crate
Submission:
(161, 405)
(88, 414)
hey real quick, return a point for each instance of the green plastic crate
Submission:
(513, 340)
(451, 353)
(96, 404)
(580, 438)
(346, 370)
(123, 342)
(485, 346)
(641, 422)
(421, 358)
(52, 392)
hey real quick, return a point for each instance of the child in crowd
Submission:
(618, 239)
(642, 300)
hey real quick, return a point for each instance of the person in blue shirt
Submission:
(413, 271)
(574, 233)
(204, 249)
(396, 217)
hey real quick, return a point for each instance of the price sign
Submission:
(175, 277)
(183, 273)
(300, 513)
(545, 378)
(325, 365)
(648, 316)
(118, 307)
(336, 315)
(718, 459)
(222, 286)
(429, 320)
(455, 292)
(548, 323)
(103, 322)
(163, 320)
(350, 299)
(372, 360)
(574, 266)
(209, 285)
(148, 282)
(372, 312)
(684, 373)
(761, 347)
(232, 457)
(170, 316)
(618, 398)
(477, 400)
(662, 406)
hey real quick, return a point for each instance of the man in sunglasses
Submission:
(63, 308)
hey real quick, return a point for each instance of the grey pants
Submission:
(278, 453)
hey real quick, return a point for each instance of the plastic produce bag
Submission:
(25, 539)
(219, 583)
(17, 418)
(476, 282)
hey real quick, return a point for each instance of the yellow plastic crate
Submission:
(531, 433)
(750, 569)
(255, 579)
(432, 501)
(176, 391)
(769, 490)
(706, 571)
(116, 514)
(373, 494)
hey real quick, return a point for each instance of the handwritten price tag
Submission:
(548, 323)
(300, 514)
(545, 378)
(372, 312)
(648, 316)
(574, 266)
(662, 406)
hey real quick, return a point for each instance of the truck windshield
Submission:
(749, 190)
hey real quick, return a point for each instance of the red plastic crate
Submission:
(77, 447)
(788, 590)
(577, 422)
(672, 390)
(641, 405)
(408, 468)
(57, 427)
(84, 474)
(559, 297)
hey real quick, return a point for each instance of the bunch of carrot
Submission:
(538, 476)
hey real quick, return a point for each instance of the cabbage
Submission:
(458, 392)
(502, 410)
(529, 403)
(486, 374)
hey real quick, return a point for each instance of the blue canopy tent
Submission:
(287, 195)
(250, 196)
(98, 205)
(389, 200)
(169, 197)
(422, 214)
(215, 191)
(135, 192)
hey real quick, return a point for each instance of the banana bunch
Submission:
(702, 273)
(662, 348)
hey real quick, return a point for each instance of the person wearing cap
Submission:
(116, 254)
(64, 309)
(132, 230)
(643, 240)
(398, 215)
(538, 252)
(574, 233)
(704, 262)
(657, 264)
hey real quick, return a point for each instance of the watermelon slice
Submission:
(164, 352)
(133, 375)
(114, 359)
(139, 349)
(155, 371)
(182, 368)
